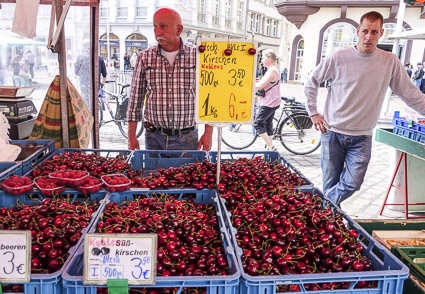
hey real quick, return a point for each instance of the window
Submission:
(267, 30)
(216, 12)
(122, 11)
(201, 10)
(140, 10)
(257, 23)
(251, 22)
(103, 12)
(239, 12)
(338, 36)
(299, 60)
(228, 12)
(274, 28)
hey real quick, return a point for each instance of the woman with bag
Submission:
(269, 102)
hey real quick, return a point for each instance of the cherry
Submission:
(252, 51)
(228, 52)
(201, 48)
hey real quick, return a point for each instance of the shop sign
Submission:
(15, 256)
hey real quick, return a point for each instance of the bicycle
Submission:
(120, 116)
(293, 128)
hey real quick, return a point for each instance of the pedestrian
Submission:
(417, 76)
(270, 99)
(82, 70)
(133, 60)
(30, 61)
(423, 78)
(165, 75)
(15, 67)
(359, 77)
(408, 69)
(126, 61)
(102, 72)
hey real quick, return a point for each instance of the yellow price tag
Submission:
(225, 72)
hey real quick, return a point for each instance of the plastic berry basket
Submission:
(111, 184)
(90, 185)
(48, 186)
(9, 185)
(69, 177)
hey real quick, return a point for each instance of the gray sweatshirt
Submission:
(358, 83)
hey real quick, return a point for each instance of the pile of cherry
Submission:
(55, 225)
(202, 175)
(158, 291)
(282, 231)
(96, 165)
(189, 241)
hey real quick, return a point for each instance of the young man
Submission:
(359, 77)
(164, 84)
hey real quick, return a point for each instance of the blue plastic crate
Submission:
(272, 156)
(8, 169)
(49, 283)
(389, 271)
(72, 275)
(150, 161)
(47, 146)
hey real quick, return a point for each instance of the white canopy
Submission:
(416, 34)
(17, 41)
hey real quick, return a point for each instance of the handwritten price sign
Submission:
(15, 256)
(120, 256)
(225, 81)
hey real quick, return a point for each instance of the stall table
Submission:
(412, 154)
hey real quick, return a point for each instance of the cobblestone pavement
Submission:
(364, 204)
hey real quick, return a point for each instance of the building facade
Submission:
(322, 27)
(130, 27)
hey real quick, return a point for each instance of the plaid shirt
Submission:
(169, 89)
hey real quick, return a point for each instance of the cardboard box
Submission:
(399, 236)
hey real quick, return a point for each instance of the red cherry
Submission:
(252, 51)
(201, 48)
(228, 52)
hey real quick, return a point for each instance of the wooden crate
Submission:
(398, 235)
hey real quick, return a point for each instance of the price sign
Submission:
(120, 256)
(225, 72)
(15, 256)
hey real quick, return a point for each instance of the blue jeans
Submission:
(158, 141)
(418, 83)
(344, 163)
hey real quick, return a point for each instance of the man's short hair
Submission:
(373, 16)
(419, 63)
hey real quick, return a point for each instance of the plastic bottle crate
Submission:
(272, 156)
(389, 272)
(48, 283)
(72, 275)
(150, 161)
(410, 134)
(414, 258)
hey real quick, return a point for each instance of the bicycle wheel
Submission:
(297, 134)
(239, 136)
(123, 126)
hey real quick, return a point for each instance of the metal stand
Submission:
(406, 203)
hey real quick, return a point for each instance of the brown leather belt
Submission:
(167, 132)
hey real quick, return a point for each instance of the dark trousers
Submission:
(264, 120)
(422, 87)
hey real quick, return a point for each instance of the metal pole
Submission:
(63, 89)
(246, 19)
(219, 155)
(396, 49)
(107, 32)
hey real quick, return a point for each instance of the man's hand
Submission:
(133, 143)
(320, 123)
(205, 143)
